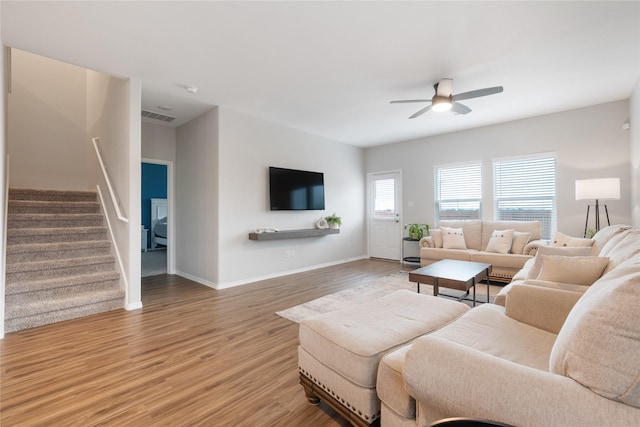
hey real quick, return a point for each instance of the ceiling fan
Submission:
(444, 100)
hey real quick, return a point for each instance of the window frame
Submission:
(462, 200)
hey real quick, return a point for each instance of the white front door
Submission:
(385, 229)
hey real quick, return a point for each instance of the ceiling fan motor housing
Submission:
(441, 103)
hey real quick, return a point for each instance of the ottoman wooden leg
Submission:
(308, 390)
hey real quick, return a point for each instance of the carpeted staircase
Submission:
(59, 263)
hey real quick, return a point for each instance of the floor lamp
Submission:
(597, 189)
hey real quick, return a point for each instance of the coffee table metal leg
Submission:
(474, 292)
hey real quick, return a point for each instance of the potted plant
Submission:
(333, 221)
(416, 231)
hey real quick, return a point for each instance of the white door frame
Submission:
(370, 176)
(171, 235)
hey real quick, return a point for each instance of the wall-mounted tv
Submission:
(295, 190)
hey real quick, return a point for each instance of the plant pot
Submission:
(334, 225)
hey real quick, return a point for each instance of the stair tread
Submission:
(58, 282)
(44, 231)
(58, 263)
(74, 300)
(52, 216)
(56, 246)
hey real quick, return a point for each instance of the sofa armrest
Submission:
(427, 242)
(449, 379)
(532, 247)
(543, 308)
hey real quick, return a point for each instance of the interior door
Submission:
(385, 219)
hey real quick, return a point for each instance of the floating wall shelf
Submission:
(293, 234)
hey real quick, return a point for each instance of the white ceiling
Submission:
(331, 68)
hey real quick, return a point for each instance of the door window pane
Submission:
(384, 200)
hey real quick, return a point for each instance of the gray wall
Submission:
(589, 143)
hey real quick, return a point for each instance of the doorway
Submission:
(157, 231)
(385, 216)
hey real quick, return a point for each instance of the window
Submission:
(384, 199)
(458, 191)
(525, 190)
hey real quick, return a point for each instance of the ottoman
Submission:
(339, 351)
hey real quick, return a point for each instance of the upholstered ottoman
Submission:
(340, 351)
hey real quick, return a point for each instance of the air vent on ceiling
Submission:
(157, 116)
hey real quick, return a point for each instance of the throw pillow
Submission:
(561, 239)
(534, 271)
(598, 343)
(577, 270)
(436, 235)
(520, 240)
(453, 238)
(500, 241)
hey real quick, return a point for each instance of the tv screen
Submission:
(295, 190)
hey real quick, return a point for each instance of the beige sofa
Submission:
(477, 236)
(549, 357)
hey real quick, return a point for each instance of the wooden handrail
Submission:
(114, 199)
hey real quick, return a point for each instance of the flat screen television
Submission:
(295, 190)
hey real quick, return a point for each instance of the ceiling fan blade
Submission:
(458, 108)
(407, 101)
(444, 87)
(421, 112)
(478, 93)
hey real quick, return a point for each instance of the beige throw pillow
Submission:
(534, 271)
(453, 238)
(436, 235)
(561, 239)
(500, 241)
(577, 270)
(520, 240)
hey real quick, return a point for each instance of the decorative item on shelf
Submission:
(597, 189)
(416, 231)
(334, 221)
(322, 223)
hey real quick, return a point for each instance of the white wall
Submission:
(158, 142)
(248, 146)
(589, 142)
(113, 115)
(196, 196)
(51, 94)
(3, 195)
(634, 123)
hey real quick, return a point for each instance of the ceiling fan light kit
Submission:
(444, 100)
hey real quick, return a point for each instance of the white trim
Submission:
(4, 246)
(114, 200)
(457, 164)
(220, 286)
(134, 306)
(115, 249)
(525, 157)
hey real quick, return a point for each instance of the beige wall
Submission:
(158, 142)
(47, 138)
(634, 124)
(196, 196)
(589, 142)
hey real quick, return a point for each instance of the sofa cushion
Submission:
(390, 385)
(487, 328)
(500, 260)
(436, 235)
(561, 239)
(453, 238)
(566, 269)
(434, 254)
(603, 236)
(352, 341)
(472, 231)
(520, 240)
(534, 270)
(500, 241)
(626, 247)
(532, 227)
(599, 344)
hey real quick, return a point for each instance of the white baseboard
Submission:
(134, 306)
(196, 279)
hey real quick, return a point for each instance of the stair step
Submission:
(52, 195)
(54, 220)
(50, 269)
(47, 251)
(39, 313)
(36, 206)
(54, 235)
(61, 282)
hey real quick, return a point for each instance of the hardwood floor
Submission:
(193, 356)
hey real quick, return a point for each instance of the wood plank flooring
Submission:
(193, 356)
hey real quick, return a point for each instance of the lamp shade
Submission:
(598, 189)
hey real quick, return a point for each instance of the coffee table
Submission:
(452, 274)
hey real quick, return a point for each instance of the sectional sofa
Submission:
(552, 355)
